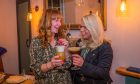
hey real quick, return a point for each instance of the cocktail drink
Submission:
(60, 52)
(74, 50)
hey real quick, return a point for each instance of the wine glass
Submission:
(74, 50)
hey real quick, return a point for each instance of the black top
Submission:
(96, 67)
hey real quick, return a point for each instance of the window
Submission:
(56, 4)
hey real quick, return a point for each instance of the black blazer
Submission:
(96, 67)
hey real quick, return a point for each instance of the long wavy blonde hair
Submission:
(94, 24)
(45, 26)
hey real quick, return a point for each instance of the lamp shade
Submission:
(123, 7)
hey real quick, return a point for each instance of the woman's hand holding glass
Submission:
(78, 61)
(57, 61)
(74, 51)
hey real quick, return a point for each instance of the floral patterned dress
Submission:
(40, 56)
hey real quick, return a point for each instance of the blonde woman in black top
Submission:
(96, 54)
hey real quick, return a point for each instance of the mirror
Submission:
(72, 13)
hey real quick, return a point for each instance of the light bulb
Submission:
(29, 16)
(79, 3)
(123, 7)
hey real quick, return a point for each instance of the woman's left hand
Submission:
(77, 60)
(56, 61)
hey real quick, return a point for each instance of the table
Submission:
(29, 81)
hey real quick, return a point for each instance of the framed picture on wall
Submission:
(98, 7)
(104, 13)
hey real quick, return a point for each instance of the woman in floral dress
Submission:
(44, 61)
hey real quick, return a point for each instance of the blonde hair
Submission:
(94, 24)
(45, 26)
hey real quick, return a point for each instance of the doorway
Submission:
(24, 35)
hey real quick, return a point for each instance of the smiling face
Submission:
(84, 31)
(56, 23)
